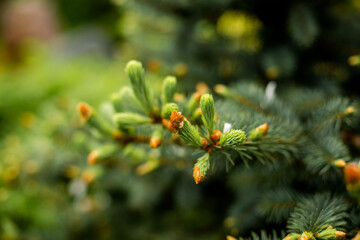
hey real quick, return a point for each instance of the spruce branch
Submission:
(317, 213)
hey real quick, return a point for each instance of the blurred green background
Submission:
(56, 53)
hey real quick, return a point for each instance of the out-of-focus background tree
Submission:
(56, 53)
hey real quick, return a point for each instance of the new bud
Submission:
(168, 89)
(102, 153)
(259, 132)
(207, 111)
(340, 163)
(85, 111)
(136, 73)
(232, 138)
(201, 167)
(168, 109)
(352, 173)
(156, 138)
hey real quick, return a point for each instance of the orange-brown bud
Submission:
(264, 128)
(155, 142)
(339, 234)
(205, 143)
(202, 88)
(197, 175)
(93, 157)
(229, 237)
(215, 136)
(197, 97)
(305, 236)
(85, 111)
(340, 163)
(350, 110)
(88, 176)
(352, 173)
(176, 121)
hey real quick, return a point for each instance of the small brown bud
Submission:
(264, 128)
(229, 237)
(352, 173)
(350, 110)
(205, 143)
(215, 136)
(93, 157)
(339, 235)
(197, 175)
(155, 142)
(85, 111)
(202, 88)
(340, 163)
(197, 97)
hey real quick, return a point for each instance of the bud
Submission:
(208, 111)
(292, 236)
(340, 235)
(352, 173)
(136, 74)
(201, 167)
(327, 234)
(102, 153)
(228, 237)
(215, 136)
(129, 119)
(147, 167)
(93, 158)
(232, 138)
(89, 116)
(202, 88)
(85, 111)
(306, 236)
(167, 110)
(198, 176)
(259, 132)
(156, 138)
(349, 110)
(340, 163)
(221, 90)
(168, 89)
(354, 60)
